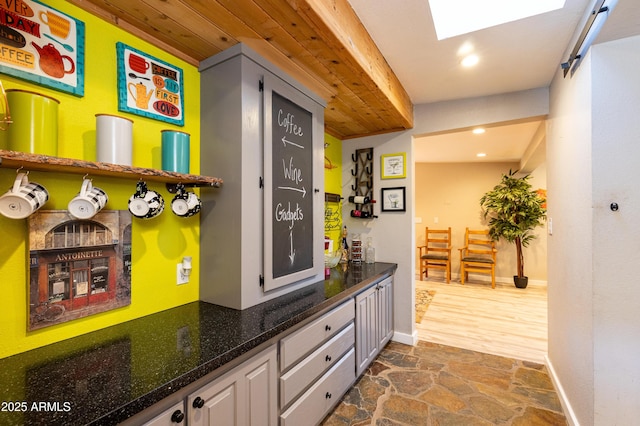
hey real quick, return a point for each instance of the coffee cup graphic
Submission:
(58, 25)
(138, 63)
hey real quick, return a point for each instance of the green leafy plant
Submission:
(514, 210)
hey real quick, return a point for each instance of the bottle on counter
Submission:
(370, 252)
(356, 249)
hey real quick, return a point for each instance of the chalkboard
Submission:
(292, 191)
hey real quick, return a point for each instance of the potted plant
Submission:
(514, 210)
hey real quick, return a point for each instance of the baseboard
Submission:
(480, 277)
(564, 401)
(407, 339)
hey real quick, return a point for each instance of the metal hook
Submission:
(369, 156)
(354, 173)
(353, 188)
(20, 168)
(353, 157)
(368, 169)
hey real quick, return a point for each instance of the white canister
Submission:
(114, 136)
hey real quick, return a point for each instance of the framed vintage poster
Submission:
(393, 166)
(42, 45)
(149, 87)
(393, 199)
(77, 267)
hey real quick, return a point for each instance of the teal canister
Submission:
(35, 122)
(175, 151)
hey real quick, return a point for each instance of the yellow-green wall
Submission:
(333, 183)
(158, 244)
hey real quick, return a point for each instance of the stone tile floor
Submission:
(431, 384)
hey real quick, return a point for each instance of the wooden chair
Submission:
(436, 252)
(478, 255)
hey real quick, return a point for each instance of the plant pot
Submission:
(520, 282)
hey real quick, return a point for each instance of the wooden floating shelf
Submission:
(45, 163)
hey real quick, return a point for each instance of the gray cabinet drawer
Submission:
(303, 341)
(314, 404)
(309, 369)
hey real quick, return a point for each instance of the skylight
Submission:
(456, 17)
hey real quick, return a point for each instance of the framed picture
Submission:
(70, 281)
(149, 87)
(393, 166)
(42, 45)
(393, 199)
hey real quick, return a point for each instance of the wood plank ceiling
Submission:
(321, 43)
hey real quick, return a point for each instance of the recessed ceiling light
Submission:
(470, 61)
(481, 154)
(478, 131)
(450, 22)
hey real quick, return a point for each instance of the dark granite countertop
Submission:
(109, 375)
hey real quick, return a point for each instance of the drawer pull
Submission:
(328, 395)
(327, 358)
(198, 402)
(327, 327)
(177, 416)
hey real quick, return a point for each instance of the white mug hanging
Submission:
(185, 203)
(89, 201)
(23, 199)
(145, 203)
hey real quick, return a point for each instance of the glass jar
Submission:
(370, 252)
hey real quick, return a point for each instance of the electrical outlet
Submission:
(181, 277)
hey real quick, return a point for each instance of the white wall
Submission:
(569, 282)
(394, 233)
(594, 299)
(616, 235)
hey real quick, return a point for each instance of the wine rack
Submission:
(363, 185)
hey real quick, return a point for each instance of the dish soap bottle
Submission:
(370, 252)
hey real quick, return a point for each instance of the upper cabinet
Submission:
(263, 131)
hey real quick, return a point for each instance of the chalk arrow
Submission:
(290, 188)
(285, 142)
(292, 252)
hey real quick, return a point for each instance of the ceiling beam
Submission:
(320, 43)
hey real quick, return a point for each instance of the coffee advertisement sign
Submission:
(42, 45)
(149, 87)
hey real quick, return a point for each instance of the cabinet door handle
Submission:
(177, 416)
(198, 402)
(327, 358)
(327, 396)
(327, 327)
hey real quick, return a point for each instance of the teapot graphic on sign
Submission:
(140, 96)
(52, 62)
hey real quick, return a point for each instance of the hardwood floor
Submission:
(504, 321)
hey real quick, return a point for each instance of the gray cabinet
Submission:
(317, 365)
(262, 236)
(374, 322)
(245, 396)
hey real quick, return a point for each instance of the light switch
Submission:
(435, 219)
(550, 226)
